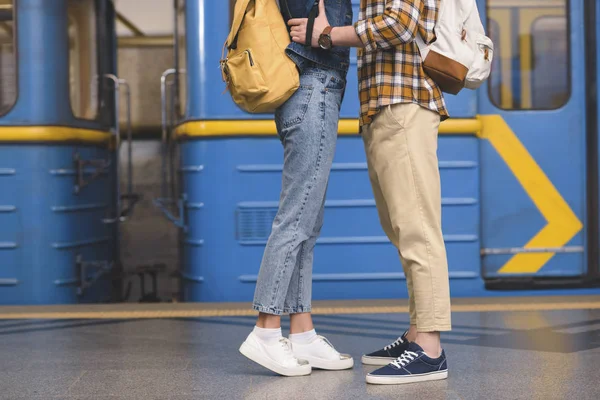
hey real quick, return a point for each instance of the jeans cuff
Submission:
(297, 309)
(267, 310)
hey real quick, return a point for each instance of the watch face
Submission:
(325, 42)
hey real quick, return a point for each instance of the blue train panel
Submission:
(231, 202)
(47, 230)
(58, 232)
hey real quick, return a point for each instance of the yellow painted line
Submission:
(267, 128)
(562, 223)
(158, 314)
(22, 134)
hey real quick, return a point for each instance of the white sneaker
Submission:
(321, 354)
(278, 357)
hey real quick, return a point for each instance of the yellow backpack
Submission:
(257, 71)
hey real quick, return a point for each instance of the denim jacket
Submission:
(339, 13)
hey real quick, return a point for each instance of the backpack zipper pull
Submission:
(250, 58)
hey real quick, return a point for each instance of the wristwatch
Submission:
(325, 39)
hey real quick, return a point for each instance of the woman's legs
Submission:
(307, 124)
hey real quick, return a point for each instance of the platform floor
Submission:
(548, 349)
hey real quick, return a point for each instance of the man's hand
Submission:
(298, 25)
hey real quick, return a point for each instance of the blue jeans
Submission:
(307, 125)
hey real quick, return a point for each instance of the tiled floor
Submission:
(492, 355)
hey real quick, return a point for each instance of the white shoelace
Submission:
(327, 343)
(396, 343)
(404, 359)
(288, 349)
(287, 346)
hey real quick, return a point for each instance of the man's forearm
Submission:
(345, 36)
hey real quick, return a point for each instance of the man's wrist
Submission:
(345, 36)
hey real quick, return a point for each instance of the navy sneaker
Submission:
(388, 354)
(412, 366)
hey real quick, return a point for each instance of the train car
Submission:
(59, 201)
(518, 161)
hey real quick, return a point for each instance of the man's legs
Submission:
(401, 148)
(386, 224)
(394, 350)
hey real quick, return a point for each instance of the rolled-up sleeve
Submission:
(397, 25)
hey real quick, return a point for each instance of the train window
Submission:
(181, 62)
(83, 58)
(550, 75)
(531, 69)
(8, 61)
(495, 81)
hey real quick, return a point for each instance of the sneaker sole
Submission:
(329, 365)
(383, 361)
(259, 358)
(386, 380)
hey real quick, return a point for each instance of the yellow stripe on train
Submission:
(209, 128)
(52, 134)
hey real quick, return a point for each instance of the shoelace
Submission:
(327, 343)
(287, 345)
(404, 359)
(396, 343)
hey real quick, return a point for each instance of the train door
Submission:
(533, 152)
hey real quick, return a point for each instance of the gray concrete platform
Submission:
(492, 355)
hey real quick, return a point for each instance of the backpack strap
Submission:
(285, 9)
(312, 15)
(241, 7)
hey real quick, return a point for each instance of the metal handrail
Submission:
(131, 197)
(163, 103)
(125, 84)
(116, 85)
(165, 203)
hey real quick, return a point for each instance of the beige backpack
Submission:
(462, 55)
(258, 73)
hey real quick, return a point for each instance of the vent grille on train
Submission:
(254, 223)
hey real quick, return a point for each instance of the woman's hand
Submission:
(298, 25)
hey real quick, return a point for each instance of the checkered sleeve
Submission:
(397, 25)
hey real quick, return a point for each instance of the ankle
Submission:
(300, 323)
(430, 343)
(412, 333)
(268, 321)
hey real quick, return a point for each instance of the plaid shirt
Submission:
(389, 66)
